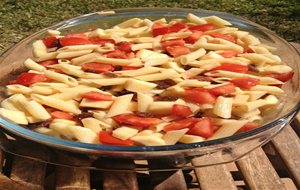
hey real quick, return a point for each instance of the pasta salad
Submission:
(148, 83)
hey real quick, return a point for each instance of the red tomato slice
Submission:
(50, 41)
(116, 54)
(173, 42)
(97, 67)
(130, 67)
(124, 46)
(73, 40)
(132, 119)
(177, 27)
(176, 51)
(200, 97)
(248, 127)
(61, 115)
(229, 53)
(232, 67)
(97, 96)
(224, 89)
(223, 36)
(203, 128)
(181, 110)
(159, 29)
(101, 41)
(105, 137)
(194, 37)
(245, 82)
(48, 62)
(181, 124)
(283, 77)
(28, 79)
(203, 27)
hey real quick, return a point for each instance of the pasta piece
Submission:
(35, 109)
(166, 74)
(172, 137)
(30, 64)
(139, 72)
(156, 44)
(268, 89)
(84, 59)
(8, 105)
(122, 62)
(176, 35)
(223, 107)
(185, 59)
(228, 128)
(144, 101)
(61, 78)
(134, 85)
(95, 104)
(130, 23)
(56, 103)
(136, 47)
(174, 66)
(54, 33)
(47, 131)
(69, 69)
(191, 139)
(217, 21)
(84, 135)
(161, 107)
(142, 40)
(195, 19)
(43, 90)
(193, 83)
(77, 48)
(124, 132)
(250, 40)
(120, 105)
(246, 115)
(17, 89)
(14, 116)
(39, 48)
(240, 99)
(71, 54)
(47, 56)
(148, 140)
(137, 31)
(258, 58)
(255, 95)
(109, 82)
(191, 73)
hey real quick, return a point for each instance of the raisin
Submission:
(166, 98)
(198, 115)
(124, 92)
(186, 67)
(39, 124)
(163, 84)
(84, 115)
(110, 74)
(144, 114)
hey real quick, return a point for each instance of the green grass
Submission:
(20, 18)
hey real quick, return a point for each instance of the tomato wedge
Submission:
(173, 42)
(248, 127)
(181, 124)
(229, 53)
(200, 97)
(130, 67)
(223, 36)
(248, 50)
(105, 137)
(159, 29)
(97, 96)
(132, 119)
(283, 77)
(97, 67)
(232, 67)
(202, 27)
(50, 41)
(101, 41)
(194, 37)
(124, 46)
(118, 54)
(245, 82)
(28, 79)
(203, 127)
(177, 27)
(176, 51)
(181, 110)
(221, 90)
(61, 115)
(48, 62)
(72, 40)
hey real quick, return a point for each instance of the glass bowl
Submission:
(230, 148)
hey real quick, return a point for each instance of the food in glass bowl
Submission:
(147, 83)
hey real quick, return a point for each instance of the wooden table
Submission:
(275, 166)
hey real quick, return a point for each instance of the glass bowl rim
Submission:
(19, 131)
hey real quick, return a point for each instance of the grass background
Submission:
(20, 18)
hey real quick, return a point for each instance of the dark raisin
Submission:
(163, 84)
(199, 114)
(228, 95)
(104, 88)
(39, 124)
(203, 78)
(110, 74)
(57, 44)
(144, 114)
(84, 115)
(166, 98)
(186, 67)
(124, 92)
(118, 68)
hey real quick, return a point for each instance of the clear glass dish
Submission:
(230, 148)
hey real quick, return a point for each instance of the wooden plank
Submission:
(71, 178)
(287, 144)
(8, 184)
(258, 171)
(22, 168)
(213, 177)
(166, 180)
(119, 180)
